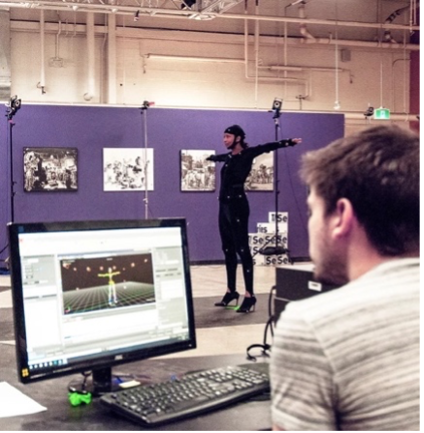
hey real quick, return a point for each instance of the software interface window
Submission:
(93, 292)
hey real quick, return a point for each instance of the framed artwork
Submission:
(261, 177)
(197, 174)
(127, 169)
(49, 169)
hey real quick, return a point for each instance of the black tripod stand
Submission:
(143, 109)
(276, 249)
(12, 107)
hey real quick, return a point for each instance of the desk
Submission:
(52, 394)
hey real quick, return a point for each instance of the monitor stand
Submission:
(101, 381)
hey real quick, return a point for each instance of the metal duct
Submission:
(5, 55)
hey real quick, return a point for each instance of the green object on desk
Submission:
(78, 398)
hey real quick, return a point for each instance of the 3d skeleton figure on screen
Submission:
(111, 286)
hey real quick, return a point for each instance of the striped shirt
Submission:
(349, 359)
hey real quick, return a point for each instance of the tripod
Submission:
(13, 106)
(143, 109)
(277, 249)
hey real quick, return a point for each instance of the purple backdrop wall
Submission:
(91, 129)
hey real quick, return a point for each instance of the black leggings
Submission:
(233, 228)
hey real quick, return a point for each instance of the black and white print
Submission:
(261, 177)
(127, 169)
(197, 174)
(50, 169)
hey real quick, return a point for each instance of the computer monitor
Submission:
(90, 295)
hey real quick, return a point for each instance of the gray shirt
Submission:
(349, 359)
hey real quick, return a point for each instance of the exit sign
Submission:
(382, 114)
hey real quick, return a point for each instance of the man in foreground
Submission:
(349, 359)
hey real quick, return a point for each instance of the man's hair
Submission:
(378, 171)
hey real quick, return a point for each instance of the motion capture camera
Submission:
(369, 112)
(277, 104)
(13, 106)
(276, 107)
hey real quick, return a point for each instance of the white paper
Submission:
(6, 299)
(13, 402)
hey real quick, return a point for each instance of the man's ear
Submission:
(343, 218)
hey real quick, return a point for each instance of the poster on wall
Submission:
(49, 169)
(127, 169)
(197, 174)
(261, 177)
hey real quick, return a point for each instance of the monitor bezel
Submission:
(101, 362)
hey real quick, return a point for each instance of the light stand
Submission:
(277, 249)
(143, 109)
(12, 107)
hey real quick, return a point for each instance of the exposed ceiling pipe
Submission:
(176, 13)
(111, 59)
(42, 84)
(301, 81)
(387, 33)
(303, 30)
(192, 58)
(365, 44)
(57, 61)
(257, 33)
(134, 32)
(88, 96)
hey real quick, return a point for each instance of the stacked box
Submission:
(283, 217)
(276, 260)
(265, 237)
(270, 228)
(259, 240)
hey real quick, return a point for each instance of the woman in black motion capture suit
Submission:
(234, 210)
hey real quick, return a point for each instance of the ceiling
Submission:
(384, 21)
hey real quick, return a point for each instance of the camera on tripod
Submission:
(276, 107)
(277, 104)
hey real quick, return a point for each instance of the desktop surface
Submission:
(254, 414)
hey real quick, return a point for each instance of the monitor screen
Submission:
(91, 295)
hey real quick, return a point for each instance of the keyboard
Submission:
(195, 393)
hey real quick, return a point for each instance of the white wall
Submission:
(375, 76)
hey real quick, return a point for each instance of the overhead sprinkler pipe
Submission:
(111, 59)
(42, 83)
(88, 96)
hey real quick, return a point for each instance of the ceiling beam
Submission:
(160, 12)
